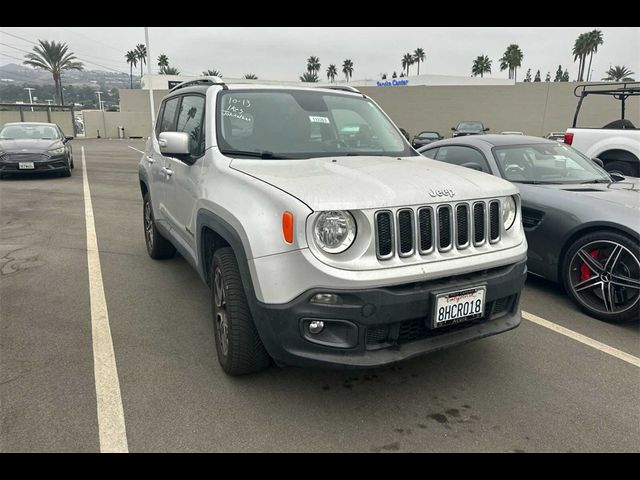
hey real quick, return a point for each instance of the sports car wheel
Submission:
(602, 275)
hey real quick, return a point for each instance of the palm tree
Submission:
(347, 68)
(332, 72)
(594, 39)
(309, 77)
(619, 73)
(313, 64)
(481, 65)
(250, 76)
(418, 56)
(163, 62)
(141, 53)
(581, 49)
(171, 71)
(407, 61)
(132, 60)
(512, 59)
(53, 57)
(212, 72)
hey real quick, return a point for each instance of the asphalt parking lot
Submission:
(532, 389)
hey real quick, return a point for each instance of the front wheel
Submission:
(601, 273)
(238, 345)
(158, 247)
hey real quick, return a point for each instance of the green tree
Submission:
(163, 62)
(407, 61)
(594, 40)
(481, 65)
(332, 73)
(558, 77)
(512, 59)
(565, 76)
(619, 73)
(581, 48)
(347, 69)
(548, 77)
(212, 72)
(53, 57)
(250, 76)
(418, 56)
(527, 77)
(309, 77)
(141, 53)
(537, 79)
(395, 75)
(171, 71)
(313, 64)
(132, 60)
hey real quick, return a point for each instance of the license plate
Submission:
(26, 165)
(459, 306)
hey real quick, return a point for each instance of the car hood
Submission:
(624, 193)
(373, 181)
(28, 145)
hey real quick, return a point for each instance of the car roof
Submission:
(202, 88)
(494, 140)
(31, 123)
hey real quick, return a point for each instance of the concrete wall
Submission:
(532, 108)
(63, 119)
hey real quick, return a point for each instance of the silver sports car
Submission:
(582, 225)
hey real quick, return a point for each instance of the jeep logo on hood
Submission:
(442, 192)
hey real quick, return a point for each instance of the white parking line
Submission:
(135, 149)
(111, 427)
(583, 339)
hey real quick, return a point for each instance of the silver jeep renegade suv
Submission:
(325, 238)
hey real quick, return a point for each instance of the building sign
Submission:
(173, 83)
(393, 83)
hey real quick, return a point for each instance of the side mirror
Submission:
(617, 177)
(66, 139)
(486, 129)
(472, 166)
(597, 161)
(453, 128)
(174, 143)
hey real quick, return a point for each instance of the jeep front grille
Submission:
(458, 225)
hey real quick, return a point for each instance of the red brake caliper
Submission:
(585, 271)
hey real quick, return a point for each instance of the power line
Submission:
(93, 40)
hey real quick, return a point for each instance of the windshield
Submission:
(28, 132)
(470, 127)
(429, 135)
(295, 124)
(547, 163)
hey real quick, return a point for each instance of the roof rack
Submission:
(345, 88)
(618, 90)
(199, 81)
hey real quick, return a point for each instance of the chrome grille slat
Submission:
(405, 232)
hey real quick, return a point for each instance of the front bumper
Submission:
(40, 164)
(379, 326)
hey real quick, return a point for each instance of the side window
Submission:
(191, 121)
(168, 121)
(463, 156)
(431, 153)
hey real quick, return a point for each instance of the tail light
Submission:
(568, 138)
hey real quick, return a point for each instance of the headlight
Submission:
(509, 212)
(56, 151)
(334, 231)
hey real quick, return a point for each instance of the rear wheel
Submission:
(158, 247)
(602, 276)
(626, 169)
(240, 350)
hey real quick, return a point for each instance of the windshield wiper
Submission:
(256, 154)
(597, 180)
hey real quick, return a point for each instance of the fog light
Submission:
(326, 299)
(316, 326)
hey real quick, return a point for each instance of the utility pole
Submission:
(30, 98)
(153, 113)
(99, 101)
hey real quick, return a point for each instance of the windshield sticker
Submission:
(313, 119)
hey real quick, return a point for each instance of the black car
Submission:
(582, 225)
(425, 138)
(469, 128)
(29, 147)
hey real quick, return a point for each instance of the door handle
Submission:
(167, 171)
(149, 159)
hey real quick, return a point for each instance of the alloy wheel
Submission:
(148, 225)
(604, 276)
(221, 314)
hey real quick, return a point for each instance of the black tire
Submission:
(626, 169)
(158, 247)
(66, 173)
(240, 350)
(601, 274)
(71, 164)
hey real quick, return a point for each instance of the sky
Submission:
(280, 53)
